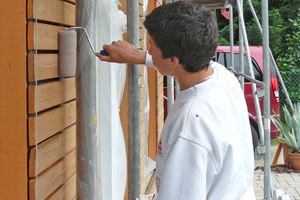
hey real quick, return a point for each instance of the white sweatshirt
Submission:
(205, 150)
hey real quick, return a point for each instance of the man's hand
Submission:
(123, 52)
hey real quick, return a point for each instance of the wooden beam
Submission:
(142, 44)
(275, 159)
(142, 81)
(53, 178)
(152, 143)
(54, 11)
(42, 66)
(43, 36)
(160, 95)
(141, 11)
(142, 92)
(142, 104)
(13, 101)
(66, 191)
(51, 150)
(141, 34)
(142, 69)
(51, 122)
(70, 1)
(141, 23)
(47, 95)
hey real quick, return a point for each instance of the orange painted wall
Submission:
(13, 103)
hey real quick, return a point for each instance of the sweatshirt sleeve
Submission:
(188, 173)
(149, 61)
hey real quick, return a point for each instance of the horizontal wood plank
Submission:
(141, 11)
(160, 78)
(53, 178)
(142, 80)
(160, 113)
(142, 118)
(160, 105)
(143, 130)
(51, 150)
(47, 95)
(55, 11)
(142, 104)
(70, 1)
(66, 191)
(51, 122)
(42, 66)
(43, 36)
(141, 23)
(160, 124)
(142, 45)
(141, 34)
(142, 92)
(142, 69)
(160, 95)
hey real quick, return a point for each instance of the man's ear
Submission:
(174, 61)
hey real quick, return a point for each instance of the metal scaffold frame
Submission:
(265, 125)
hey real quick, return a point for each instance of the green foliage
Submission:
(223, 42)
(276, 27)
(289, 127)
(289, 61)
(275, 142)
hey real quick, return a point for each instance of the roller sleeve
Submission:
(67, 53)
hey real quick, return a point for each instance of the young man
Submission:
(206, 141)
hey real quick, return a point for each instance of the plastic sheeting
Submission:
(101, 153)
(88, 149)
(110, 85)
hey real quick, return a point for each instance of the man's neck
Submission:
(187, 79)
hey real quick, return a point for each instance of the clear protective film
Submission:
(110, 25)
(88, 140)
(100, 88)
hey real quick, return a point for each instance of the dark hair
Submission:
(184, 30)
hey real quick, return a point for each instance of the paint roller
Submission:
(67, 51)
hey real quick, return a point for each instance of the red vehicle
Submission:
(256, 52)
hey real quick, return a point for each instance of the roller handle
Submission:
(105, 53)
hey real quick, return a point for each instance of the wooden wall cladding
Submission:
(42, 66)
(49, 181)
(142, 103)
(160, 103)
(51, 103)
(53, 11)
(66, 191)
(49, 94)
(51, 150)
(145, 178)
(43, 36)
(51, 122)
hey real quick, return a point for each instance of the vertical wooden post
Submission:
(13, 101)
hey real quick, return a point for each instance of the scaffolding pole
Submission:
(88, 174)
(134, 136)
(253, 85)
(272, 57)
(267, 126)
(170, 84)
